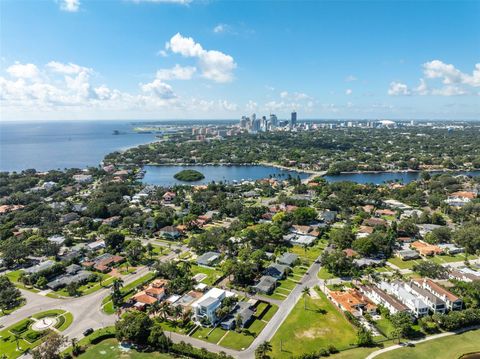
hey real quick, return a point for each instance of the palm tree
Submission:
(165, 309)
(17, 340)
(305, 293)
(262, 350)
(186, 266)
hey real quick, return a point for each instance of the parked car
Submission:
(87, 332)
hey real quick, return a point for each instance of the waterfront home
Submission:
(288, 259)
(461, 198)
(82, 178)
(352, 301)
(168, 197)
(394, 204)
(453, 302)
(169, 232)
(435, 304)
(265, 285)
(208, 258)
(378, 296)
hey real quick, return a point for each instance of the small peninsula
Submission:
(189, 176)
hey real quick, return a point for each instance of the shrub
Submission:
(21, 327)
(32, 336)
(60, 321)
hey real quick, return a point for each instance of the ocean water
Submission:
(63, 144)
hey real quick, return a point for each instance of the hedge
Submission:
(32, 336)
(60, 321)
(21, 327)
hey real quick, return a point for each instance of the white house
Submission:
(205, 307)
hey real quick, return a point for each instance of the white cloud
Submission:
(70, 5)
(221, 28)
(453, 81)
(350, 78)
(214, 65)
(24, 71)
(176, 73)
(67, 69)
(162, 53)
(348, 92)
(284, 94)
(398, 88)
(161, 89)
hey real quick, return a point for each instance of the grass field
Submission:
(110, 348)
(404, 264)
(451, 347)
(324, 274)
(305, 331)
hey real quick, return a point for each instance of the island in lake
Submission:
(189, 176)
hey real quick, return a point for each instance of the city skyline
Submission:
(219, 60)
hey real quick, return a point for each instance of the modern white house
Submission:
(205, 307)
(452, 301)
(435, 304)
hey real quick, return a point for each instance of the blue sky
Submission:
(167, 59)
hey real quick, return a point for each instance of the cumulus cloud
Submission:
(214, 65)
(67, 69)
(452, 81)
(23, 71)
(176, 73)
(161, 89)
(220, 28)
(70, 5)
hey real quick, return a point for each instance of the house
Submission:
(461, 198)
(288, 259)
(451, 248)
(397, 288)
(305, 230)
(385, 212)
(112, 221)
(464, 274)
(277, 271)
(426, 249)
(394, 204)
(378, 296)
(352, 301)
(265, 285)
(349, 252)
(104, 262)
(424, 229)
(168, 197)
(69, 217)
(155, 292)
(169, 232)
(205, 307)
(328, 217)
(56, 239)
(435, 304)
(74, 276)
(453, 302)
(408, 254)
(368, 262)
(242, 310)
(97, 245)
(208, 258)
(83, 178)
(375, 222)
(301, 240)
(40, 267)
(7, 208)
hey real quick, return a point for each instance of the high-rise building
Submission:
(293, 119)
(273, 120)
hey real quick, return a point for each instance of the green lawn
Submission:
(305, 331)
(324, 274)
(14, 277)
(310, 254)
(384, 326)
(110, 348)
(404, 264)
(212, 274)
(48, 313)
(451, 347)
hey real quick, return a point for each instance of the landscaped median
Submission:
(28, 333)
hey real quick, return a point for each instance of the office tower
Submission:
(293, 119)
(273, 120)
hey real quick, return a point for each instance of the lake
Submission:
(163, 175)
(63, 144)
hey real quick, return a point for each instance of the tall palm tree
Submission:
(262, 350)
(305, 293)
(17, 340)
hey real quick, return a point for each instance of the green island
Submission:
(189, 176)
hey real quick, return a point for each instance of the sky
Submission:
(189, 59)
